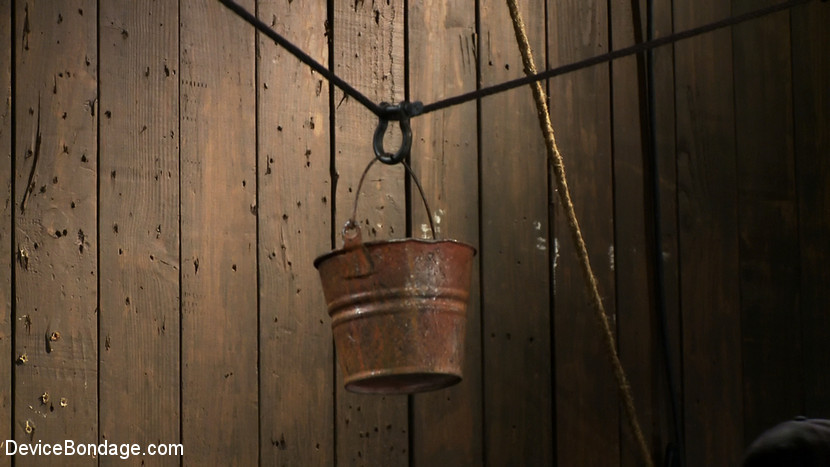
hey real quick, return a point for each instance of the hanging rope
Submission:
(556, 162)
(404, 111)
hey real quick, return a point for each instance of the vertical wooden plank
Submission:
(368, 48)
(447, 425)
(218, 234)
(633, 271)
(56, 330)
(640, 327)
(664, 140)
(708, 237)
(6, 212)
(811, 112)
(767, 221)
(297, 407)
(139, 225)
(518, 426)
(586, 395)
(368, 53)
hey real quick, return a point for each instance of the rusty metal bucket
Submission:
(398, 310)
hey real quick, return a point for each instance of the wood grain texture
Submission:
(811, 112)
(767, 221)
(586, 396)
(515, 251)
(667, 191)
(640, 326)
(447, 424)
(229, 242)
(220, 414)
(634, 273)
(708, 238)
(297, 405)
(139, 226)
(368, 53)
(56, 244)
(6, 213)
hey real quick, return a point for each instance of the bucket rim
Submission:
(325, 256)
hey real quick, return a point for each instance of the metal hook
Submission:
(402, 113)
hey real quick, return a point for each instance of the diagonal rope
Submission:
(297, 52)
(534, 77)
(557, 163)
(610, 56)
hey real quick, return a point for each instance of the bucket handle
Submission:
(351, 231)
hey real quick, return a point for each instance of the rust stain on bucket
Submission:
(398, 310)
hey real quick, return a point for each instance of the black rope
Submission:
(508, 85)
(303, 57)
(613, 55)
(673, 454)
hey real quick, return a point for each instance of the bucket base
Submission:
(385, 383)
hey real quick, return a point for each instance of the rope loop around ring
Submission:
(402, 113)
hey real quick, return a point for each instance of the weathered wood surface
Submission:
(637, 206)
(6, 213)
(55, 204)
(708, 238)
(223, 167)
(638, 338)
(220, 381)
(666, 190)
(139, 226)
(294, 210)
(767, 221)
(586, 395)
(369, 54)
(811, 113)
(447, 425)
(515, 251)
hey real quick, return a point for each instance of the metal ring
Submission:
(406, 142)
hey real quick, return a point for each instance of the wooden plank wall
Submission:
(219, 269)
(708, 237)
(168, 175)
(138, 225)
(6, 229)
(447, 425)
(768, 266)
(515, 272)
(294, 212)
(811, 110)
(368, 50)
(55, 204)
(581, 112)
